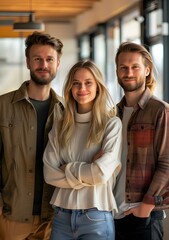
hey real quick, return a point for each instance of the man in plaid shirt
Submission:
(142, 184)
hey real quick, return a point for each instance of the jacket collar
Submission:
(22, 94)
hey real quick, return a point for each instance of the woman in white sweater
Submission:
(82, 158)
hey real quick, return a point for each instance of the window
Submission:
(130, 27)
(157, 55)
(13, 66)
(113, 42)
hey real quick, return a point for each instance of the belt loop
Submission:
(88, 210)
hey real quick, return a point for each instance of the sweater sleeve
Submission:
(80, 174)
(53, 175)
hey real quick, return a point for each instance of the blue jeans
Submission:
(82, 225)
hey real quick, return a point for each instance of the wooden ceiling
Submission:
(44, 11)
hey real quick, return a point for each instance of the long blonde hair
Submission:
(147, 59)
(103, 107)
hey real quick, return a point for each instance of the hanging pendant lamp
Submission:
(31, 25)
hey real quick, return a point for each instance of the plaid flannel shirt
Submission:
(147, 167)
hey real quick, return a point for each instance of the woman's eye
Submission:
(75, 83)
(88, 83)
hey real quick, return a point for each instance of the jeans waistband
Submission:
(79, 210)
(158, 214)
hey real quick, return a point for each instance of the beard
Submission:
(41, 81)
(131, 87)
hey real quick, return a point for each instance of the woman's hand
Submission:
(63, 167)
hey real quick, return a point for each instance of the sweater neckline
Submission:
(83, 118)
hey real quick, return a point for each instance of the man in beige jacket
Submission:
(26, 117)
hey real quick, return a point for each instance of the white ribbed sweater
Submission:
(84, 184)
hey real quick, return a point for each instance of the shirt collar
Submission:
(141, 103)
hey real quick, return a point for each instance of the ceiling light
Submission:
(31, 25)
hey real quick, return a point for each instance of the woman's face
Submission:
(84, 89)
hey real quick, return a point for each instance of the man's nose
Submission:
(129, 72)
(43, 63)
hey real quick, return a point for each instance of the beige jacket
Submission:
(17, 154)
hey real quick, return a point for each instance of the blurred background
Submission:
(88, 29)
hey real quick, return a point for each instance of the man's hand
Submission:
(142, 211)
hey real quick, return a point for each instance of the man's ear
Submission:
(58, 63)
(147, 71)
(27, 63)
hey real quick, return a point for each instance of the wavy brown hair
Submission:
(43, 39)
